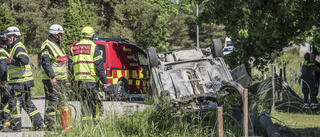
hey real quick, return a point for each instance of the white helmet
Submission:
(55, 29)
(13, 30)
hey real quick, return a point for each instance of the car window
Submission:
(142, 59)
(103, 50)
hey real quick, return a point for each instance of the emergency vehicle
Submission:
(126, 68)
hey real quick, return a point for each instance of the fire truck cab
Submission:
(126, 68)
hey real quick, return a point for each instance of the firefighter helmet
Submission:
(55, 29)
(13, 30)
(87, 32)
(3, 36)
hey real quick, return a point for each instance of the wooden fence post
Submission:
(245, 112)
(281, 79)
(294, 76)
(284, 74)
(273, 87)
(220, 121)
(274, 82)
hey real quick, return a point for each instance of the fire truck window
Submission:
(142, 59)
(103, 49)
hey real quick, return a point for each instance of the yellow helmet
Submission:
(87, 32)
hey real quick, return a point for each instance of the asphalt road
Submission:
(109, 107)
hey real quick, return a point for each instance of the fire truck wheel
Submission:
(216, 48)
(152, 57)
(120, 91)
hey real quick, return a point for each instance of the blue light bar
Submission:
(111, 39)
(96, 39)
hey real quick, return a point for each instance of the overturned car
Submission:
(193, 78)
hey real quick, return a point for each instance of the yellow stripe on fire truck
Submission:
(117, 74)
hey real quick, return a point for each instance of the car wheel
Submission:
(216, 48)
(152, 57)
(120, 91)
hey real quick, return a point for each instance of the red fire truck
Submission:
(126, 68)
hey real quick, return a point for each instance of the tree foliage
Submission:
(6, 20)
(164, 24)
(75, 19)
(264, 26)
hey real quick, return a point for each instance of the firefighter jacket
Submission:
(86, 62)
(53, 61)
(308, 70)
(3, 63)
(19, 69)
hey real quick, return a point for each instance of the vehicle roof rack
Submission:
(112, 39)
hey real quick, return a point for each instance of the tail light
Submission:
(108, 71)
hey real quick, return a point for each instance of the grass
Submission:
(153, 122)
(297, 122)
(38, 89)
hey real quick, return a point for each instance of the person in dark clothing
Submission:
(317, 77)
(20, 80)
(54, 74)
(308, 80)
(85, 64)
(4, 112)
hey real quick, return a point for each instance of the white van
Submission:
(228, 50)
(228, 42)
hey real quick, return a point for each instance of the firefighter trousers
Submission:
(20, 97)
(309, 88)
(4, 111)
(55, 98)
(92, 106)
(317, 82)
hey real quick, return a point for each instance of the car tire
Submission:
(216, 48)
(152, 57)
(120, 91)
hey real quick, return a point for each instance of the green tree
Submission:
(262, 27)
(75, 19)
(148, 21)
(6, 20)
(34, 19)
(207, 31)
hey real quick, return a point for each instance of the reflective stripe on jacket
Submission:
(58, 60)
(83, 61)
(19, 74)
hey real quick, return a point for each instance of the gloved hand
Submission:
(9, 61)
(105, 86)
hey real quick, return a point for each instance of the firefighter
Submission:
(3, 78)
(313, 56)
(20, 80)
(85, 64)
(308, 81)
(54, 74)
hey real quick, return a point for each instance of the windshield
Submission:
(230, 43)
